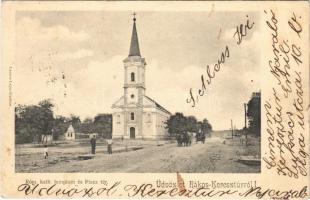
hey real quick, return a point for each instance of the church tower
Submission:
(134, 87)
(136, 115)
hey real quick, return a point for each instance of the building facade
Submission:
(70, 134)
(136, 115)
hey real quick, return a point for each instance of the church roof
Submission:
(134, 44)
(158, 106)
(120, 103)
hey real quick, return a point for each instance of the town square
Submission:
(135, 133)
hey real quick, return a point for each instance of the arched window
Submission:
(132, 96)
(132, 116)
(132, 131)
(132, 75)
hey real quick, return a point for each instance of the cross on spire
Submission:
(134, 16)
(134, 44)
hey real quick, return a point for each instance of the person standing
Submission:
(110, 142)
(93, 144)
(45, 152)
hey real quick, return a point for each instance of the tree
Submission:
(176, 124)
(33, 121)
(191, 124)
(47, 116)
(87, 126)
(46, 104)
(206, 127)
(76, 122)
(180, 124)
(103, 125)
(253, 113)
(60, 126)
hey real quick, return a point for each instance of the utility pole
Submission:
(232, 129)
(245, 125)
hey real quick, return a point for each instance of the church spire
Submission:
(134, 44)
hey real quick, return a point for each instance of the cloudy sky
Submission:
(75, 59)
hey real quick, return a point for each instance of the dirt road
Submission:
(213, 156)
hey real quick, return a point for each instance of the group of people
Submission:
(93, 145)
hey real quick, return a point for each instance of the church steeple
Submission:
(134, 44)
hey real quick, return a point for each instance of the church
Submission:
(136, 115)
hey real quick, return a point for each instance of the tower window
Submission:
(132, 96)
(132, 116)
(132, 76)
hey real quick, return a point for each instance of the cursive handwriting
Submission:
(279, 50)
(55, 190)
(242, 30)
(149, 190)
(295, 25)
(284, 110)
(210, 75)
(275, 194)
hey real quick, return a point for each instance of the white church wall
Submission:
(118, 125)
(137, 133)
(142, 76)
(132, 69)
(154, 124)
(70, 135)
(161, 118)
(149, 121)
(130, 92)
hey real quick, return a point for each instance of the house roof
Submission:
(70, 129)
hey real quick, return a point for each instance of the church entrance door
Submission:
(132, 133)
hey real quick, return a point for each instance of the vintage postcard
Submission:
(155, 99)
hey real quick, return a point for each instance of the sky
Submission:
(75, 58)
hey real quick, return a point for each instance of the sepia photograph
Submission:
(137, 92)
(155, 99)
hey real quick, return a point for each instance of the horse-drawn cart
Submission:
(184, 139)
(200, 137)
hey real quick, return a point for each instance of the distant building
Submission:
(254, 113)
(136, 115)
(256, 95)
(70, 134)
